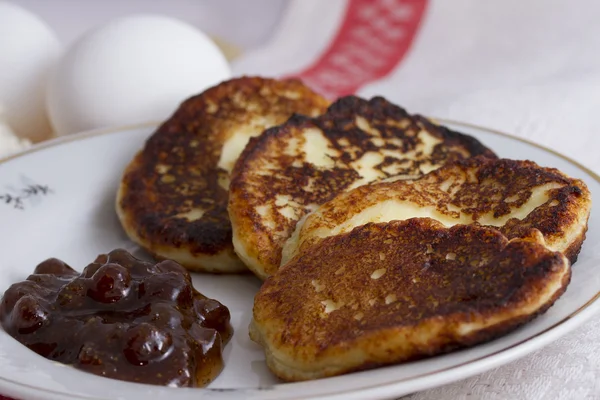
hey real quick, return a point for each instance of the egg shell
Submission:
(28, 51)
(132, 69)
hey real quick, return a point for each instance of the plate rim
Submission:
(480, 364)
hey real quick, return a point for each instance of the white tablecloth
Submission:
(566, 369)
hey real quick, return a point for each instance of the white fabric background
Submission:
(530, 68)
(244, 23)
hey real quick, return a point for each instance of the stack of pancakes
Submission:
(381, 236)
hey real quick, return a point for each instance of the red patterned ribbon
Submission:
(372, 40)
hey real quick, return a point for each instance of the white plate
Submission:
(71, 217)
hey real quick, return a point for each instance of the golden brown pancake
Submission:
(391, 292)
(515, 197)
(293, 168)
(173, 196)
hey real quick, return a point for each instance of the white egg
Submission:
(133, 69)
(28, 50)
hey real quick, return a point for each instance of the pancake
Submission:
(519, 198)
(291, 169)
(172, 200)
(392, 292)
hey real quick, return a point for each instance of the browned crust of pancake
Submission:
(189, 144)
(339, 126)
(495, 186)
(517, 178)
(453, 138)
(572, 252)
(441, 278)
(571, 203)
